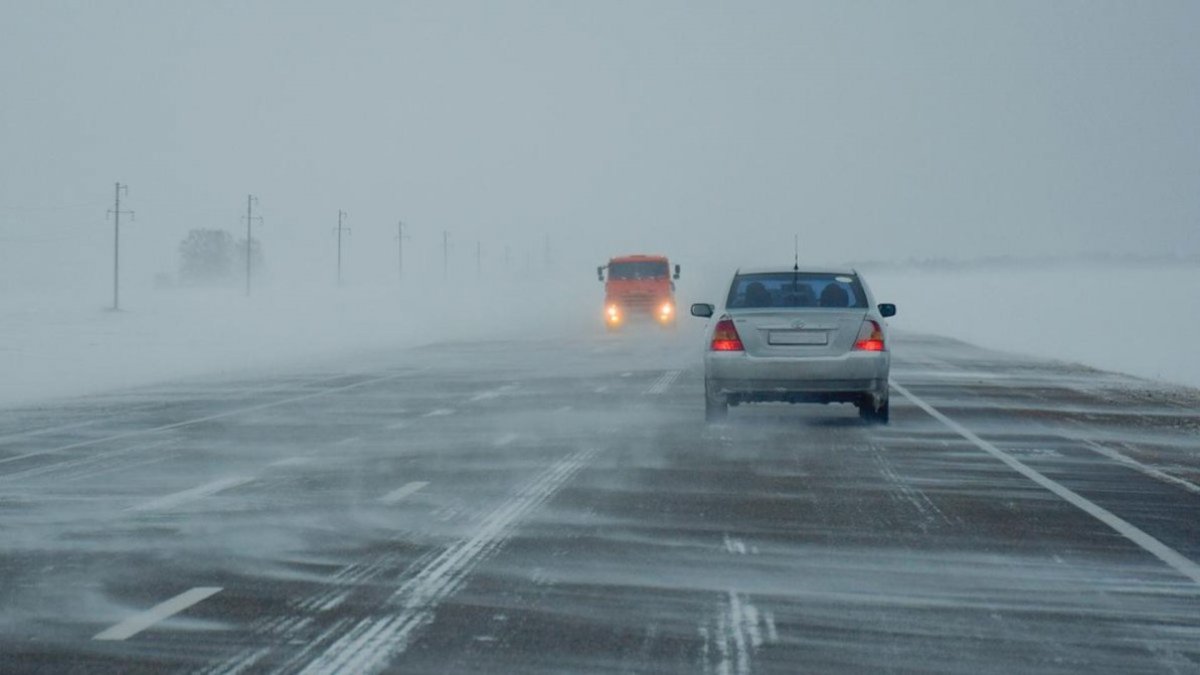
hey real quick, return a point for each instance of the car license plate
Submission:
(798, 337)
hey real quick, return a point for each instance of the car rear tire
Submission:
(716, 408)
(873, 413)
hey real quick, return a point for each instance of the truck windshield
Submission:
(651, 269)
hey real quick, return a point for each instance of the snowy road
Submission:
(548, 507)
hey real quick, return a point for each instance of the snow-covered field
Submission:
(1130, 319)
(1135, 320)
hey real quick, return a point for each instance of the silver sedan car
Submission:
(797, 336)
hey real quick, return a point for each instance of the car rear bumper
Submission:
(740, 377)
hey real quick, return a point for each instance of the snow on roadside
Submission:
(55, 344)
(1130, 319)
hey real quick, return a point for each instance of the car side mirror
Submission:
(677, 271)
(702, 310)
(600, 273)
(887, 309)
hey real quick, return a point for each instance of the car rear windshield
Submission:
(796, 289)
(649, 269)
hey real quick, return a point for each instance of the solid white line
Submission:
(663, 382)
(1148, 470)
(403, 491)
(177, 498)
(1126, 529)
(440, 412)
(140, 622)
(372, 641)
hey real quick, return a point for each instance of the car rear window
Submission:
(796, 289)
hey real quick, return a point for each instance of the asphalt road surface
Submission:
(560, 506)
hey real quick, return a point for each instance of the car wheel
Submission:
(716, 408)
(872, 413)
(883, 413)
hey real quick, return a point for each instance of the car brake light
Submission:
(870, 338)
(725, 337)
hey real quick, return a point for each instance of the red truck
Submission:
(638, 287)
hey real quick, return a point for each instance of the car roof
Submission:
(803, 270)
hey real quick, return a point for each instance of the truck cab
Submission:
(638, 288)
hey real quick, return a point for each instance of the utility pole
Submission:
(445, 255)
(116, 213)
(250, 201)
(340, 228)
(400, 237)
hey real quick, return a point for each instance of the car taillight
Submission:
(870, 338)
(725, 337)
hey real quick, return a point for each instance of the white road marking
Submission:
(600, 390)
(1148, 470)
(368, 646)
(1123, 527)
(736, 546)
(177, 498)
(665, 380)
(506, 439)
(564, 409)
(140, 622)
(291, 461)
(440, 412)
(348, 441)
(403, 491)
(397, 425)
(494, 393)
(198, 420)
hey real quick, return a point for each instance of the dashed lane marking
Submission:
(140, 622)
(1123, 527)
(291, 461)
(491, 394)
(348, 441)
(185, 496)
(403, 491)
(440, 412)
(506, 439)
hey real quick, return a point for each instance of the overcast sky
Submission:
(702, 130)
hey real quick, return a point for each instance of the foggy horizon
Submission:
(708, 133)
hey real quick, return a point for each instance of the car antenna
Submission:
(795, 262)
